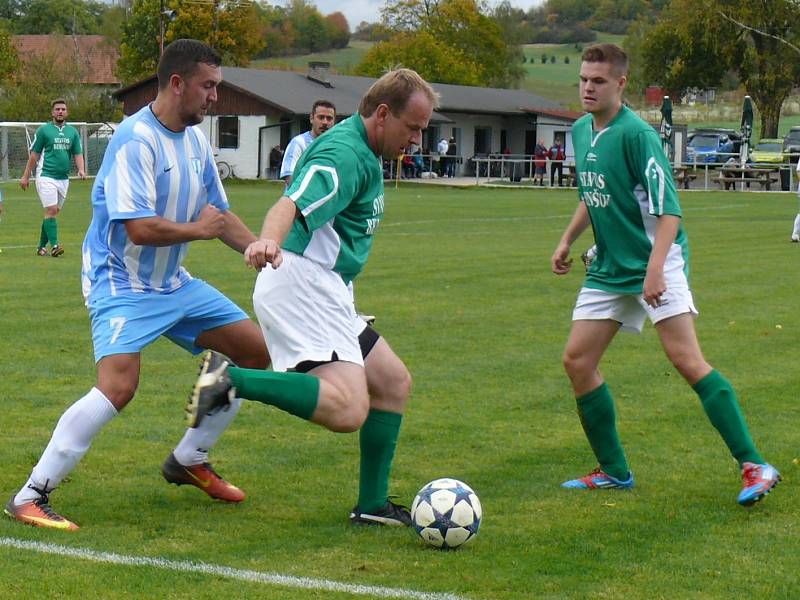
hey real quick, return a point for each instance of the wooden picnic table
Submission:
(730, 176)
(684, 174)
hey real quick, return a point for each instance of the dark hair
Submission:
(394, 89)
(58, 101)
(607, 53)
(181, 57)
(323, 103)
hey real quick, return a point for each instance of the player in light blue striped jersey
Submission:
(157, 190)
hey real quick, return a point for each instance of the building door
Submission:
(483, 140)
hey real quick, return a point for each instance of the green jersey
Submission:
(625, 181)
(57, 145)
(338, 190)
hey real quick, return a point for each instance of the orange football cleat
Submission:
(201, 476)
(39, 514)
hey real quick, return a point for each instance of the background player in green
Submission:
(628, 196)
(331, 367)
(57, 142)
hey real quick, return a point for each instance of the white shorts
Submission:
(52, 191)
(306, 313)
(629, 310)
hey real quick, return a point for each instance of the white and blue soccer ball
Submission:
(446, 513)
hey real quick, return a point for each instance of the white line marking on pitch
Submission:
(307, 583)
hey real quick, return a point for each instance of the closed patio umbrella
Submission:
(747, 129)
(666, 126)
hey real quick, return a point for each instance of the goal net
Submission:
(16, 139)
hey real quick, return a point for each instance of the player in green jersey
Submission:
(628, 197)
(56, 143)
(331, 368)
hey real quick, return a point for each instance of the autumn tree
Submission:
(232, 28)
(696, 42)
(464, 44)
(40, 79)
(9, 61)
(431, 58)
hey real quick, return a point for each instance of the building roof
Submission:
(294, 93)
(95, 56)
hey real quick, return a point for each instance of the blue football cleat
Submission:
(758, 481)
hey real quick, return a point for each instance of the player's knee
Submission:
(575, 364)
(350, 419)
(120, 392)
(395, 388)
(691, 367)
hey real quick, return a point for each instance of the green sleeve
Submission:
(654, 172)
(77, 148)
(325, 185)
(38, 141)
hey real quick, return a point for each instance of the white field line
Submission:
(290, 581)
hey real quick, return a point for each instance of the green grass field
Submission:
(460, 281)
(342, 61)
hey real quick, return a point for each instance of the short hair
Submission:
(323, 103)
(181, 57)
(394, 89)
(58, 101)
(607, 53)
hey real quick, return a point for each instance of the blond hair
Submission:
(394, 89)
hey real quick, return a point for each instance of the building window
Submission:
(228, 132)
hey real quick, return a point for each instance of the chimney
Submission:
(318, 72)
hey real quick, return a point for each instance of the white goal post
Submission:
(16, 139)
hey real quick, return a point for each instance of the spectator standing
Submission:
(557, 155)
(539, 163)
(442, 147)
(275, 160)
(451, 158)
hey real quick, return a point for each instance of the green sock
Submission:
(295, 393)
(378, 440)
(596, 410)
(43, 236)
(51, 229)
(722, 407)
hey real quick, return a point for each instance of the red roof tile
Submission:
(97, 57)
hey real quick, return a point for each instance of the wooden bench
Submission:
(685, 179)
(729, 181)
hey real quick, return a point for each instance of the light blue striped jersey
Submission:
(297, 145)
(147, 171)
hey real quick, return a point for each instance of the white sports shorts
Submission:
(629, 310)
(306, 313)
(52, 191)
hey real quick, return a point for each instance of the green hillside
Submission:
(342, 61)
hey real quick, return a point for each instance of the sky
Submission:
(370, 10)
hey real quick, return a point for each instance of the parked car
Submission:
(767, 151)
(713, 145)
(791, 145)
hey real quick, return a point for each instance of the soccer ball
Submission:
(446, 513)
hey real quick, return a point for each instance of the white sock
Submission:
(193, 448)
(796, 229)
(71, 439)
